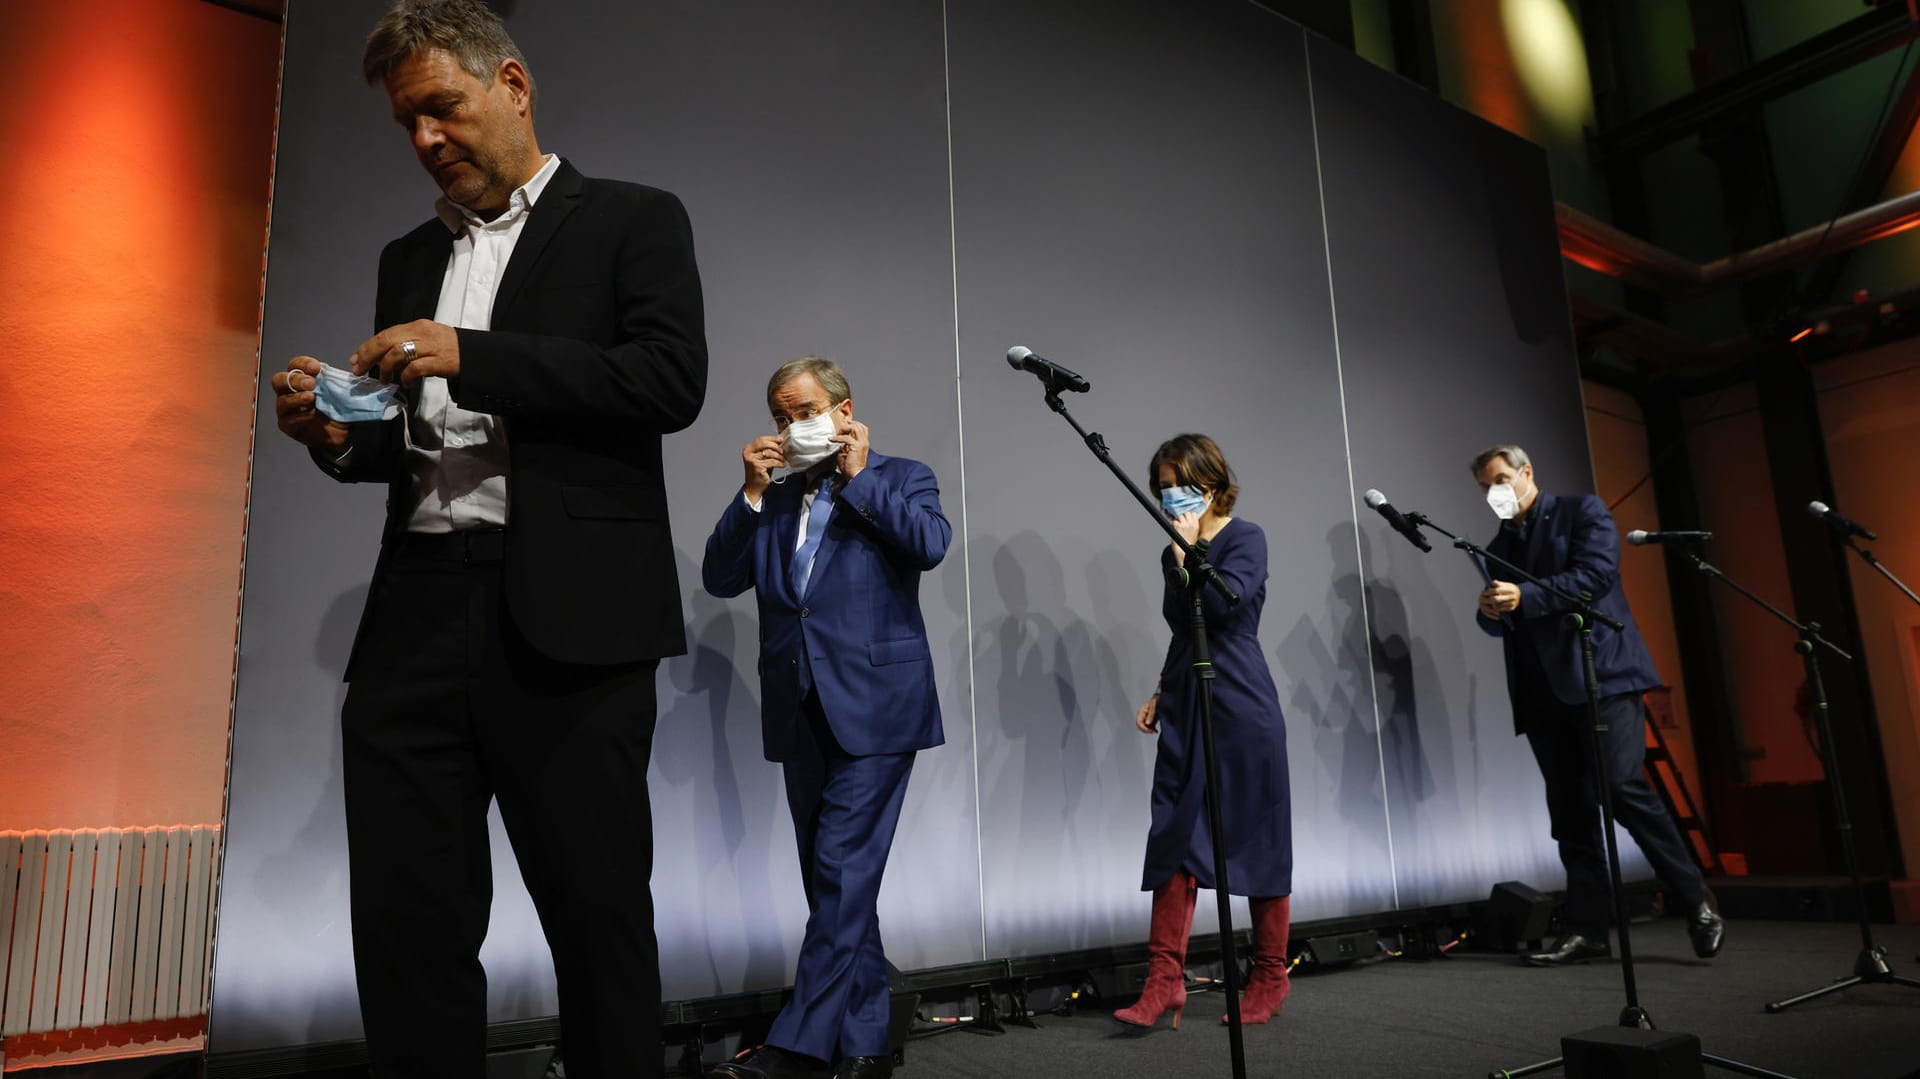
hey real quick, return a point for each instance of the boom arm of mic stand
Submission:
(1867, 557)
(1582, 604)
(1809, 631)
(1196, 560)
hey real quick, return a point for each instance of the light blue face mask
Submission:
(1178, 500)
(347, 398)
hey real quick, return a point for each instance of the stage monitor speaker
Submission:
(1631, 1053)
(1515, 917)
(1118, 983)
(530, 1063)
(1341, 948)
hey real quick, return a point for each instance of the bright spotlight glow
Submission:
(1551, 59)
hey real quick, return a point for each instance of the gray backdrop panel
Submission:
(283, 965)
(809, 143)
(1453, 335)
(1135, 197)
(1136, 193)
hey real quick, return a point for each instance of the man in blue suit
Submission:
(1572, 545)
(834, 552)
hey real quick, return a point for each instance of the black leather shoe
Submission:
(770, 1062)
(864, 1068)
(1707, 929)
(1569, 949)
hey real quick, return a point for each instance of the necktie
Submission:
(816, 529)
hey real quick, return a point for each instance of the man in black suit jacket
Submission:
(547, 330)
(1573, 545)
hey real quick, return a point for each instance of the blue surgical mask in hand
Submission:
(1181, 500)
(349, 398)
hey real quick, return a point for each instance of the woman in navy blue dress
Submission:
(1197, 490)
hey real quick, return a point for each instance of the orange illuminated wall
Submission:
(1617, 437)
(1736, 498)
(1870, 411)
(137, 138)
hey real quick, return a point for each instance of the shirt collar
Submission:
(823, 469)
(458, 218)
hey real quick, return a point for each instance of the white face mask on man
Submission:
(806, 441)
(1504, 500)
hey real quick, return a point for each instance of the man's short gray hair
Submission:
(824, 371)
(1515, 456)
(466, 29)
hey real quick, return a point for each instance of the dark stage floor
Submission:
(1465, 1015)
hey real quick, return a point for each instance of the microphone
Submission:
(1398, 520)
(1840, 524)
(1057, 378)
(1640, 537)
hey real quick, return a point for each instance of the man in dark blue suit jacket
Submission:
(834, 554)
(1572, 545)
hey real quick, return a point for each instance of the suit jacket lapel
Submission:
(426, 272)
(561, 196)
(1537, 534)
(783, 501)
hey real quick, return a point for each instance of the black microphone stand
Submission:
(1582, 617)
(1867, 557)
(1870, 965)
(1195, 574)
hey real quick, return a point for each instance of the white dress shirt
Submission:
(458, 458)
(806, 500)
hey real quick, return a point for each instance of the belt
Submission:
(466, 546)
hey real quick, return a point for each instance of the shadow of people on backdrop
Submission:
(709, 716)
(314, 860)
(1035, 759)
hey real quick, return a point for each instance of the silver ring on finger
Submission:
(408, 350)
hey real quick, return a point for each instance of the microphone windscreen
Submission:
(1819, 509)
(1017, 354)
(1373, 498)
(1637, 537)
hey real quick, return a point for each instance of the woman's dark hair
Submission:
(1197, 462)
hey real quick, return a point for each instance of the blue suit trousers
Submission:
(845, 809)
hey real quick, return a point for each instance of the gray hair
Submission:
(467, 29)
(824, 371)
(1515, 456)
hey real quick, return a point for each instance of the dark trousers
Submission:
(449, 709)
(1562, 740)
(845, 809)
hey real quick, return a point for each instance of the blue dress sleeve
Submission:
(1241, 562)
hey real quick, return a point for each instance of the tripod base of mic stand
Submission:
(1633, 1017)
(1870, 968)
(1708, 1059)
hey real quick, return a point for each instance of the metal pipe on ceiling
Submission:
(1593, 243)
